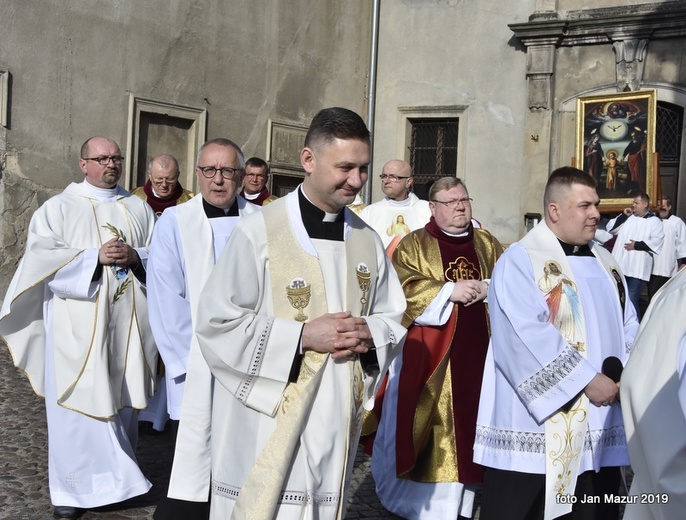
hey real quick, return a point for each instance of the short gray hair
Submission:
(227, 143)
(165, 161)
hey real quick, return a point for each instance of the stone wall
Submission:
(73, 66)
(513, 71)
(460, 55)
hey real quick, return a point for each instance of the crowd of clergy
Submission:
(273, 335)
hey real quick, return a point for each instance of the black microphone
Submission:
(612, 368)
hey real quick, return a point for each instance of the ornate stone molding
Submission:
(627, 28)
(606, 25)
(540, 65)
(629, 57)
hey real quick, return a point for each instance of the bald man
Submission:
(75, 319)
(401, 211)
(163, 189)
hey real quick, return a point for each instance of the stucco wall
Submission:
(460, 53)
(73, 65)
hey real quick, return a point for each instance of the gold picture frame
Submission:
(615, 144)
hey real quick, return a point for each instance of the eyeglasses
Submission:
(104, 160)
(452, 204)
(162, 182)
(227, 173)
(392, 178)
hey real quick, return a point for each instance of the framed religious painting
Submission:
(615, 144)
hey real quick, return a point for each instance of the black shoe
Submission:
(68, 512)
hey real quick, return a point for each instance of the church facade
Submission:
(485, 90)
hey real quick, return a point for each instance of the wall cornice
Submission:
(628, 29)
(603, 25)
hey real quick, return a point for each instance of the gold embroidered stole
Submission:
(419, 264)
(299, 293)
(564, 431)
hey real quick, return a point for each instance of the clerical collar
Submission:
(214, 212)
(400, 203)
(318, 223)
(436, 232)
(102, 194)
(571, 250)
(251, 196)
(456, 235)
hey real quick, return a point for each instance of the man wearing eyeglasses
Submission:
(187, 241)
(422, 455)
(255, 182)
(75, 320)
(163, 189)
(401, 211)
(297, 321)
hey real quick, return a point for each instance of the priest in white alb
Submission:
(549, 430)
(297, 321)
(654, 407)
(187, 241)
(75, 321)
(400, 211)
(672, 256)
(640, 235)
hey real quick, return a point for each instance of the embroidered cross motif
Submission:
(72, 480)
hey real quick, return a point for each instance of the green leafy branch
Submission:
(122, 289)
(116, 232)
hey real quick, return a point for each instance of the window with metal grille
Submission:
(433, 150)
(668, 133)
(669, 121)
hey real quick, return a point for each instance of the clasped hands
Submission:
(341, 334)
(602, 391)
(114, 252)
(469, 291)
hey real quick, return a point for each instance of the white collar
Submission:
(102, 194)
(401, 203)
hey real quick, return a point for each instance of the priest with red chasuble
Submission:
(422, 457)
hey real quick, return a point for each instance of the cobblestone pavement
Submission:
(24, 493)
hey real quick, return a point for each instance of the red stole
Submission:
(463, 343)
(157, 204)
(264, 195)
